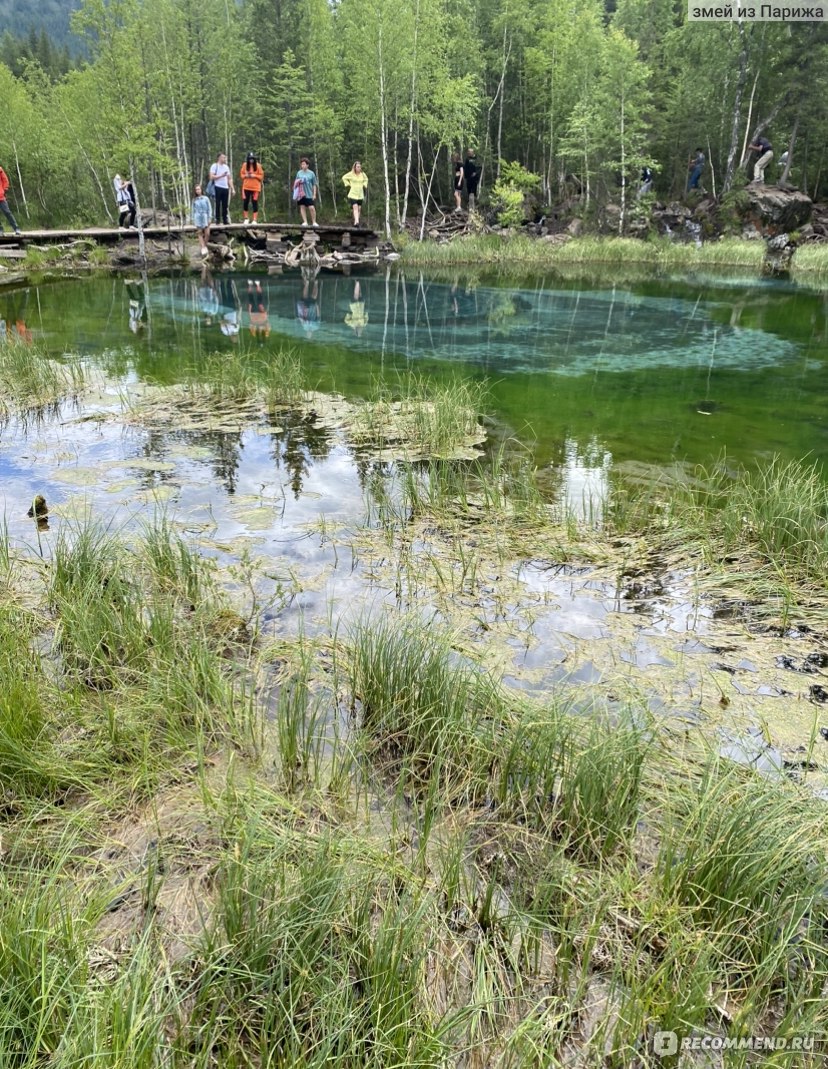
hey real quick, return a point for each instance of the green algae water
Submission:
(653, 372)
(596, 379)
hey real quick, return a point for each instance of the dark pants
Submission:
(6, 210)
(222, 201)
(127, 215)
(251, 198)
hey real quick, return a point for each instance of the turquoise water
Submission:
(591, 374)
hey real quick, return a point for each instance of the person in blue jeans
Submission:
(695, 167)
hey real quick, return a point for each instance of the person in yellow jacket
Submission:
(252, 177)
(356, 181)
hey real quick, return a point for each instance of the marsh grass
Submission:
(32, 381)
(810, 264)
(245, 377)
(433, 419)
(579, 783)
(465, 877)
(421, 704)
(739, 855)
(776, 511)
(505, 250)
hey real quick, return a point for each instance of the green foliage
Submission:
(581, 98)
(511, 192)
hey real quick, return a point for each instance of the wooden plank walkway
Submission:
(109, 235)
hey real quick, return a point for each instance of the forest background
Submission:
(581, 93)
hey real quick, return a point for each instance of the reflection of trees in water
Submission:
(298, 444)
(225, 454)
(153, 447)
(224, 448)
(371, 471)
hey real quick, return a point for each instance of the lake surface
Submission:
(595, 376)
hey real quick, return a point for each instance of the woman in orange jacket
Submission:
(252, 177)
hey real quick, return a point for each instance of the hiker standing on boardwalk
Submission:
(307, 187)
(223, 188)
(201, 213)
(252, 177)
(125, 199)
(356, 181)
(4, 208)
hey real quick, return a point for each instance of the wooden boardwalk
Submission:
(326, 234)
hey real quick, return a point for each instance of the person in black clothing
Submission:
(646, 181)
(457, 166)
(471, 173)
(765, 150)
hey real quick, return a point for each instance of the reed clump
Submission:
(776, 511)
(810, 264)
(425, 418)
(31, 380)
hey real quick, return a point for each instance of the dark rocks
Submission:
(39, 507)
(776, 211)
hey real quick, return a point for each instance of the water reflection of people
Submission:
(229, 307)
(257, 310)
(208, 298)
(17, 314)
(137, 304)
(357, 317)
(307, 307)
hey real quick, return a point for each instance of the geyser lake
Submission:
(594, 378)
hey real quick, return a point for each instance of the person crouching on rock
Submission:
(201, 213)
(765, 150)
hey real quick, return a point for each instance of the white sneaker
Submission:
(203, 252)
(316, 225)
(245, 222)
(304, 224)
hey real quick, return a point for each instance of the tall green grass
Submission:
(739, 853)
(242, 377)
(431, 419)
(502, 249)
(31, 380)
(319, 956)
(777, 510)
(455, 875)
(810, 264)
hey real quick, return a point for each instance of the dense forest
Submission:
(579, 95)
(52, 17)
